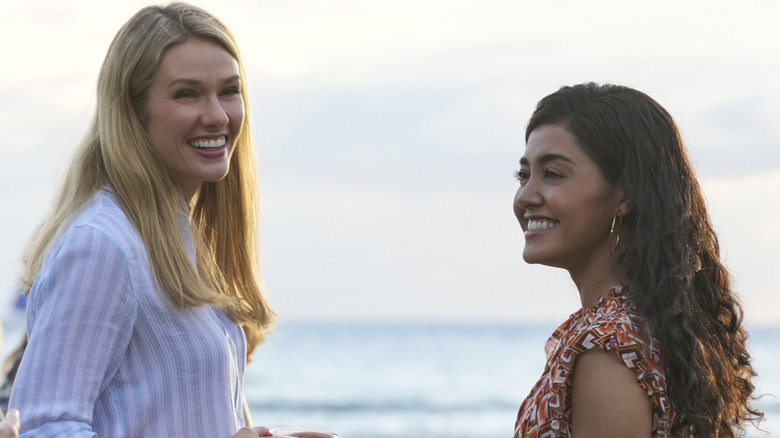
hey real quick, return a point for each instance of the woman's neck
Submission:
(594, 281)
(589, 295)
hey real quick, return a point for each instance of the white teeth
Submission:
(208, 144)
(536, 225)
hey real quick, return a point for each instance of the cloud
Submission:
(744, 211)
(388, 131)
(736, 136)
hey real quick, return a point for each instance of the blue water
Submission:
(418, 380)
(454, 381)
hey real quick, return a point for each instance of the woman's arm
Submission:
(81, 312)
(606, 400)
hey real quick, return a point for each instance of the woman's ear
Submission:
(626, 204)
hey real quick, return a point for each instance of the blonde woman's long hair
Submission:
(116, 152)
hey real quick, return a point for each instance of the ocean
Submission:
(372, 380)
(424, 380)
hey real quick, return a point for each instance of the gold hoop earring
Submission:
(619, 220)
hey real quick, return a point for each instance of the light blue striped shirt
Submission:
(108, 356)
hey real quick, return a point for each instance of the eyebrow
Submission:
(194, 82)
(547, 158)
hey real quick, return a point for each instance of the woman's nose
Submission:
(527, 195)
(214, 114)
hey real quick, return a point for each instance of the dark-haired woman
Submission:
(658, 347)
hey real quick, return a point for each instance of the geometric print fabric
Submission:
(612, 326)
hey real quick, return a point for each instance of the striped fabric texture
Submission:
(109, 356)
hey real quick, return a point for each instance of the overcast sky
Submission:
(388, 132)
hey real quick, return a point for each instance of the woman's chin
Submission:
(537, 258)
(533, 257)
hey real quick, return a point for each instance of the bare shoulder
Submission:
(606, 400)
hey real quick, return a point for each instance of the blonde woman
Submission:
(145, 296)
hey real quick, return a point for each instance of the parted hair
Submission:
(116, 152)
(670, 259)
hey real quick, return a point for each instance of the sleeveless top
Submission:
(612, 326)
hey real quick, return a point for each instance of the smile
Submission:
(539, 225)
(208, 144)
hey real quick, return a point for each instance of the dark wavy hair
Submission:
(670, 256)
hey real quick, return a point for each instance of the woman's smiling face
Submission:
(194, 112)
(564, 204)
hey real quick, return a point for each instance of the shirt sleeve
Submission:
(634, 350)
(81, 312)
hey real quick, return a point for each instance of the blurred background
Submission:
(387, 134)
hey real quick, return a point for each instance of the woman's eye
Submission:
(232, 91)
(185, 94)
(550, 174)
(522, 176)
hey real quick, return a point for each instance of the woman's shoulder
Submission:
(94, 251)
(101, 222)
(101, 208)
(103, 212)
(614, 310)
(611, 324)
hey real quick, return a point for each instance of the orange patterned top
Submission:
(612, 326)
